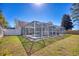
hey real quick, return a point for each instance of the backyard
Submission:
(20, 46)
(65, 47)
(32, 47)
(39, 29)
(11, 45)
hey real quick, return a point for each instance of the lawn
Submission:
(19, 46)
(11, 46)
(66, 47)
(32, 47)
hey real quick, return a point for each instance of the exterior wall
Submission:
(1, 32)
(42, 30)
(37, 31)
(12, 31)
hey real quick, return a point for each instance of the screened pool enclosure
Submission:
(38, 30)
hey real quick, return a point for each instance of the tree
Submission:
(3, 22)
(75, 15)
(67, 22)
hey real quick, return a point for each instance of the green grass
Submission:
(66, 47)
(39, 44)
(50, 40)
(18, 45)
(11, 45)
(27, 45)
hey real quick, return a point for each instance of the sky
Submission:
(44, 12)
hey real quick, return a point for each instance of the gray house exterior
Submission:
(36, 29)
(33, 30)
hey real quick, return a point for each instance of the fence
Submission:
(12, 31)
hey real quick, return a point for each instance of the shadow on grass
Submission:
(32, 47)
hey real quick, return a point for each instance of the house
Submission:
(36, 29)
(33, 30)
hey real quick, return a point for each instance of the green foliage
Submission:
(75, 15)
(66, 22)
(3, 22)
